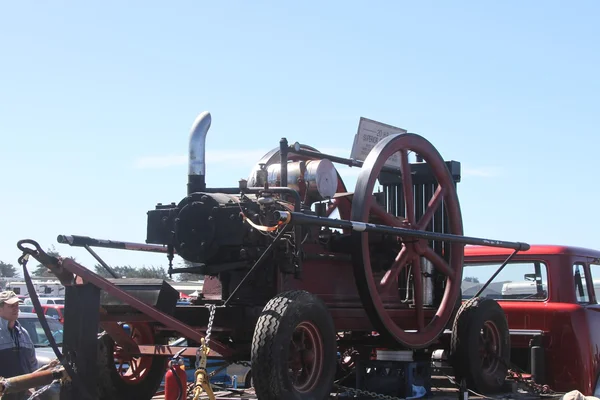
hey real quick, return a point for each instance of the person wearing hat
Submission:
(17, 352)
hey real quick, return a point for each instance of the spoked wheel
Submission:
(134, 369)
(480, 345)
(125, 376)
(377, 286)
(294, 349)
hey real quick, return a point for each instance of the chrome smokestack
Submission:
(197, 165)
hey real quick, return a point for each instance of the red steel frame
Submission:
(72, 273)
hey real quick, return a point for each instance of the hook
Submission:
(27, 250)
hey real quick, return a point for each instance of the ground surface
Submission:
(438, 394)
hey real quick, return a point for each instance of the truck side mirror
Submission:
(530, 277)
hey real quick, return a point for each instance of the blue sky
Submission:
(96, 103)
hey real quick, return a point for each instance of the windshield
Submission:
(38, 337)
(522, 280)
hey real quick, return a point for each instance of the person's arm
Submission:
(33, 362)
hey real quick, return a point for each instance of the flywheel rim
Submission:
(362, 206)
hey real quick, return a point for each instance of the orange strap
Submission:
(265, 228)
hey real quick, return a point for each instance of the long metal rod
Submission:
(500, 268)
(83, 241)
(257, 263)
(340, 160)
(297, 218)
(21, 383)
(101, 261)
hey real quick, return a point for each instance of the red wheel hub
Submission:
(134, 369)
(306, 357)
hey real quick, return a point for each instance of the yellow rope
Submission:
(202, 379)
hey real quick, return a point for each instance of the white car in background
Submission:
(43, 351)
(46, 300)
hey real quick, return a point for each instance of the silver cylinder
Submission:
(197, 147)
(320, 177)
(427, 271)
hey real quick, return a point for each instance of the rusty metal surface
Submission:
(172, 350)
(35, 379)
(71, 273)
(185, 330)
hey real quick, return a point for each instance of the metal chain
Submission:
(42, 390)
(211, 318)
(243, 363)
(361, 392)
(513, 372)
(535, 387)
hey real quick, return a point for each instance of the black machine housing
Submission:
(208, 229)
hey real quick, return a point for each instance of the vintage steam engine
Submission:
(390, 260)
(302, 269)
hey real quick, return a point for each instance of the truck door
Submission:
(587, 282)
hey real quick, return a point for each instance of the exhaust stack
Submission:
(197, 157)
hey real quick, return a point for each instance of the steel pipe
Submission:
(34, 379)
(298, 218)
(197, 153)
(83, 241)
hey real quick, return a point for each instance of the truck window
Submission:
(595, 271)
(579, 279)
(518, 280)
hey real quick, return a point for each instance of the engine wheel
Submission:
(480, 346)
(378, 290)
(124, 377)
(294, 349)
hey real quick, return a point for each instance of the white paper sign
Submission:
(369, 133)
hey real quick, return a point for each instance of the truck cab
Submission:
(551, 297)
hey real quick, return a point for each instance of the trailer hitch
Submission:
(52, 263)
(66, 269)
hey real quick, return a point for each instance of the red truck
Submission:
(549, 295)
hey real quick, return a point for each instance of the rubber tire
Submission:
(270, 346)
(464, 355)
(110, 384)
(455, 311)
(248, 383)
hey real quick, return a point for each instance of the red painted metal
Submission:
(379, 292)
(306, 357)
(132, 368)
(174, 390)
(163, 350)
(121, 338)
(571, 339)
(88, 276)
(535, 249)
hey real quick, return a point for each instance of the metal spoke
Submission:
(386, 218)
(388, 282)
(407, 186)
(432, 207)
(440, 264)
